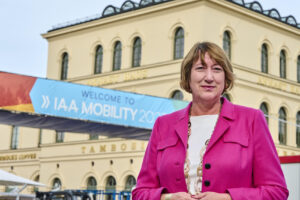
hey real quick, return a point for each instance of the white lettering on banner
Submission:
(106, 110)
(46, 102)
(62, 105)
(73, 106)
(101, 110)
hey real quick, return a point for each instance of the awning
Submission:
(13, 180)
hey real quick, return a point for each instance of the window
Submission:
(177, 94)
(117, 56)
(36, 179)
(298, 129)
(40, 137)
(110, 187)
(226, 95)
(14, 137)
(179, 43)
(98, 59)
(59, 136)
(227, 44)
(136, 52)
(282, 126)
(64, 66)
(145, 2)
(130, 183)
(263, 107)
(91, 184)
(109, 10)
(298, 69)
(264, 58)
(93, 136)
(56, 184)
(282, 64)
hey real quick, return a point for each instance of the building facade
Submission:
(139, 48)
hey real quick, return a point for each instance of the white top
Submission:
(202, 128)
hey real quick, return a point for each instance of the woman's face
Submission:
(207, 80)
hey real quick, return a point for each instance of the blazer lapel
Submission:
(182, 125)
(226, 115)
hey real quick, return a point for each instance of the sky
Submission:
(24, 51)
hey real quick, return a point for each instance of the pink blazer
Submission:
(240, 159)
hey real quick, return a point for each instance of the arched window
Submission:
(226, 95)
(56, 184)
(98, 59)
(282, 126)
(146, 2)
(177, 94)
(110, 187)
(282, 64)
(264, 58)
(91, 183)
(36, 179)
(14, 137)
(263, 107)
(64, 66)
(227, 43)
(179, 43)
(109, 10)
(117, 56)
(298, 129)
(274, 13)
(130, 183)
(298, 69)
(136, 52)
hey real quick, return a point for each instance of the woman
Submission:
(212, 149)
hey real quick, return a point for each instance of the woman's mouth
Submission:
(208, 87)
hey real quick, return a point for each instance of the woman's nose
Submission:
(209, 75)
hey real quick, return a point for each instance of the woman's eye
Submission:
(218, 68)
(199, 67)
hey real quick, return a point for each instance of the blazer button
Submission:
(206, 183)
(177, 163)
(177, 179)
(207, 166)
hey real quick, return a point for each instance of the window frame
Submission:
(298, 129)
(298, 69)
(282, 64)
(282, 126)
(136, 52)
(91, 180)
(14, 137)
(227, 43)
(98, 59)
(64, 66)
(264, 58)
(265, 109)
(178, 49)
(117, 56)
(59, 136)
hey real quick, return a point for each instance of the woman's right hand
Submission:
(178, 196)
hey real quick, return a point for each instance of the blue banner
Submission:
(76, 101)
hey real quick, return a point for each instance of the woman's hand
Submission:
(179, 196)
(212, 196)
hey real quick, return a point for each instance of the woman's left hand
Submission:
(212, 196)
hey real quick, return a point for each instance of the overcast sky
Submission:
(24, 51)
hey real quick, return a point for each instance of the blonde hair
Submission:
(198, 51)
